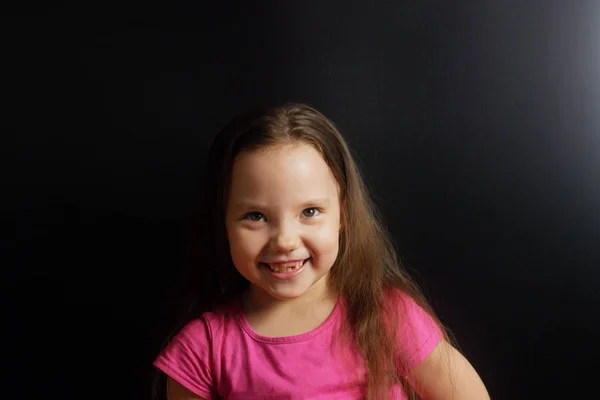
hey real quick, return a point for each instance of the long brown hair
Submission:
(371, 266)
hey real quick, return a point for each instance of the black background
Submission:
(476, 123)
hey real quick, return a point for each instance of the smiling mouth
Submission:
(285, 267)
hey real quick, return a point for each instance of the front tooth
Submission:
(285, 269)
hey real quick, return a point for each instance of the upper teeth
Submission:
(285, 267)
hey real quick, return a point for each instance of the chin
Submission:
(295, 291)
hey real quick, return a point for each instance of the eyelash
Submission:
(248, 215)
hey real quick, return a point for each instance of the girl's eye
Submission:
(310, 212)
(254, 216)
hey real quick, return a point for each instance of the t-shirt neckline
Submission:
(243, 321)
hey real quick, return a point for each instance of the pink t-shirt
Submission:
(221, 356)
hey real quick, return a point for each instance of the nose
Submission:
(285, 238)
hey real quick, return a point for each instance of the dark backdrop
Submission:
(477, 124)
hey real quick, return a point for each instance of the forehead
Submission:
(282, 174)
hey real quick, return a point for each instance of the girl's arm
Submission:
(447, 375)
(175, 391)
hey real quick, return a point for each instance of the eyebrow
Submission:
(254, 205)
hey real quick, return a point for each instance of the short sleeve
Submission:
(418, 333)
(187, 359)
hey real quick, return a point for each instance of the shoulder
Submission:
(190, 345)
(192, 358)
(195, 339)
(207, 327)
(436, 370)
(417, 331)
(408, 310)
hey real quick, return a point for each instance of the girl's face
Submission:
(283, 220)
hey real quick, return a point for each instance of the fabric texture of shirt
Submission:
(221, 356)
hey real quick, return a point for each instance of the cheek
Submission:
(244, 243)
(326, 240)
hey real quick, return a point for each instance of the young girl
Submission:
(300, 293)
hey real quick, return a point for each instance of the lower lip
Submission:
(287, 275)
